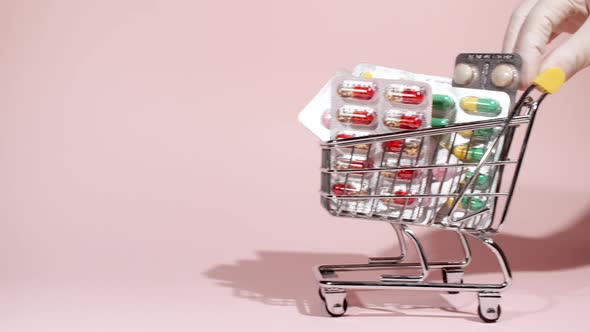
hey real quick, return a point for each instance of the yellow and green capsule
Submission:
(481, 133)
(442, 102)
(472, 204)
(480, 106)
(465, 153)
(482, 181)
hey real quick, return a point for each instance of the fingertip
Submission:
(530, 69)
(568, 69)
(533, 38)
(574, 54)
(565, 57)
(515, 23)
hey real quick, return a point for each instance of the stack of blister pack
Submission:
(374, 100)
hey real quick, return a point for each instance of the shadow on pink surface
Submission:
(285, 278)
(568, 248)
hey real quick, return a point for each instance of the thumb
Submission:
(573, 55)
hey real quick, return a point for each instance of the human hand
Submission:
(535, 23)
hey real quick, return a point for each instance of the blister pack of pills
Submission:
(371, 70)
(379, 105)
(452, 105)
(443, 105)
(316, 115)
(488, 71)
(485, 180)
(367, 106)
(375, 100)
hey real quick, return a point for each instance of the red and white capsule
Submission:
(410, 147)
(348, 134)
(397, 169)
(405, 94)
(349, 189)
(402, 174)
(356, 115)
(348, 161)
(401, 119)
(361, 90)
(397, 200)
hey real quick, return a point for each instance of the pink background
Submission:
(153, 175)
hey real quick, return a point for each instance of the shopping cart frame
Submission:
(332, 289)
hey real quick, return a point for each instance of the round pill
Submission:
(464, 74)
(327, 119)
(503, 75)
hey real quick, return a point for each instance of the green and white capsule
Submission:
(474, 204)
(442, 102)
(482, 181)
(480, 106)
(439, 122)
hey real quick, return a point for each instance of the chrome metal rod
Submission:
(500, 256)
(489, 152)
(402, 248)
(427, 286)
(461, 221)
(466, 249)
(387, 265)
(533, 114)
(409, 168)
(362, 197)
(516, 121)
(421, 254)
(421, 257)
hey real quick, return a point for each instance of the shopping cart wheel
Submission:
(339, 310)
(336, 303)
(489, 309)
(495, 312)
(453, 276)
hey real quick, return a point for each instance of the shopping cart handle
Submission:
(550, 80)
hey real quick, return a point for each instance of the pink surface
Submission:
(153, 176)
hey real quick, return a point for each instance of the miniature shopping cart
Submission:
(469, 197)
